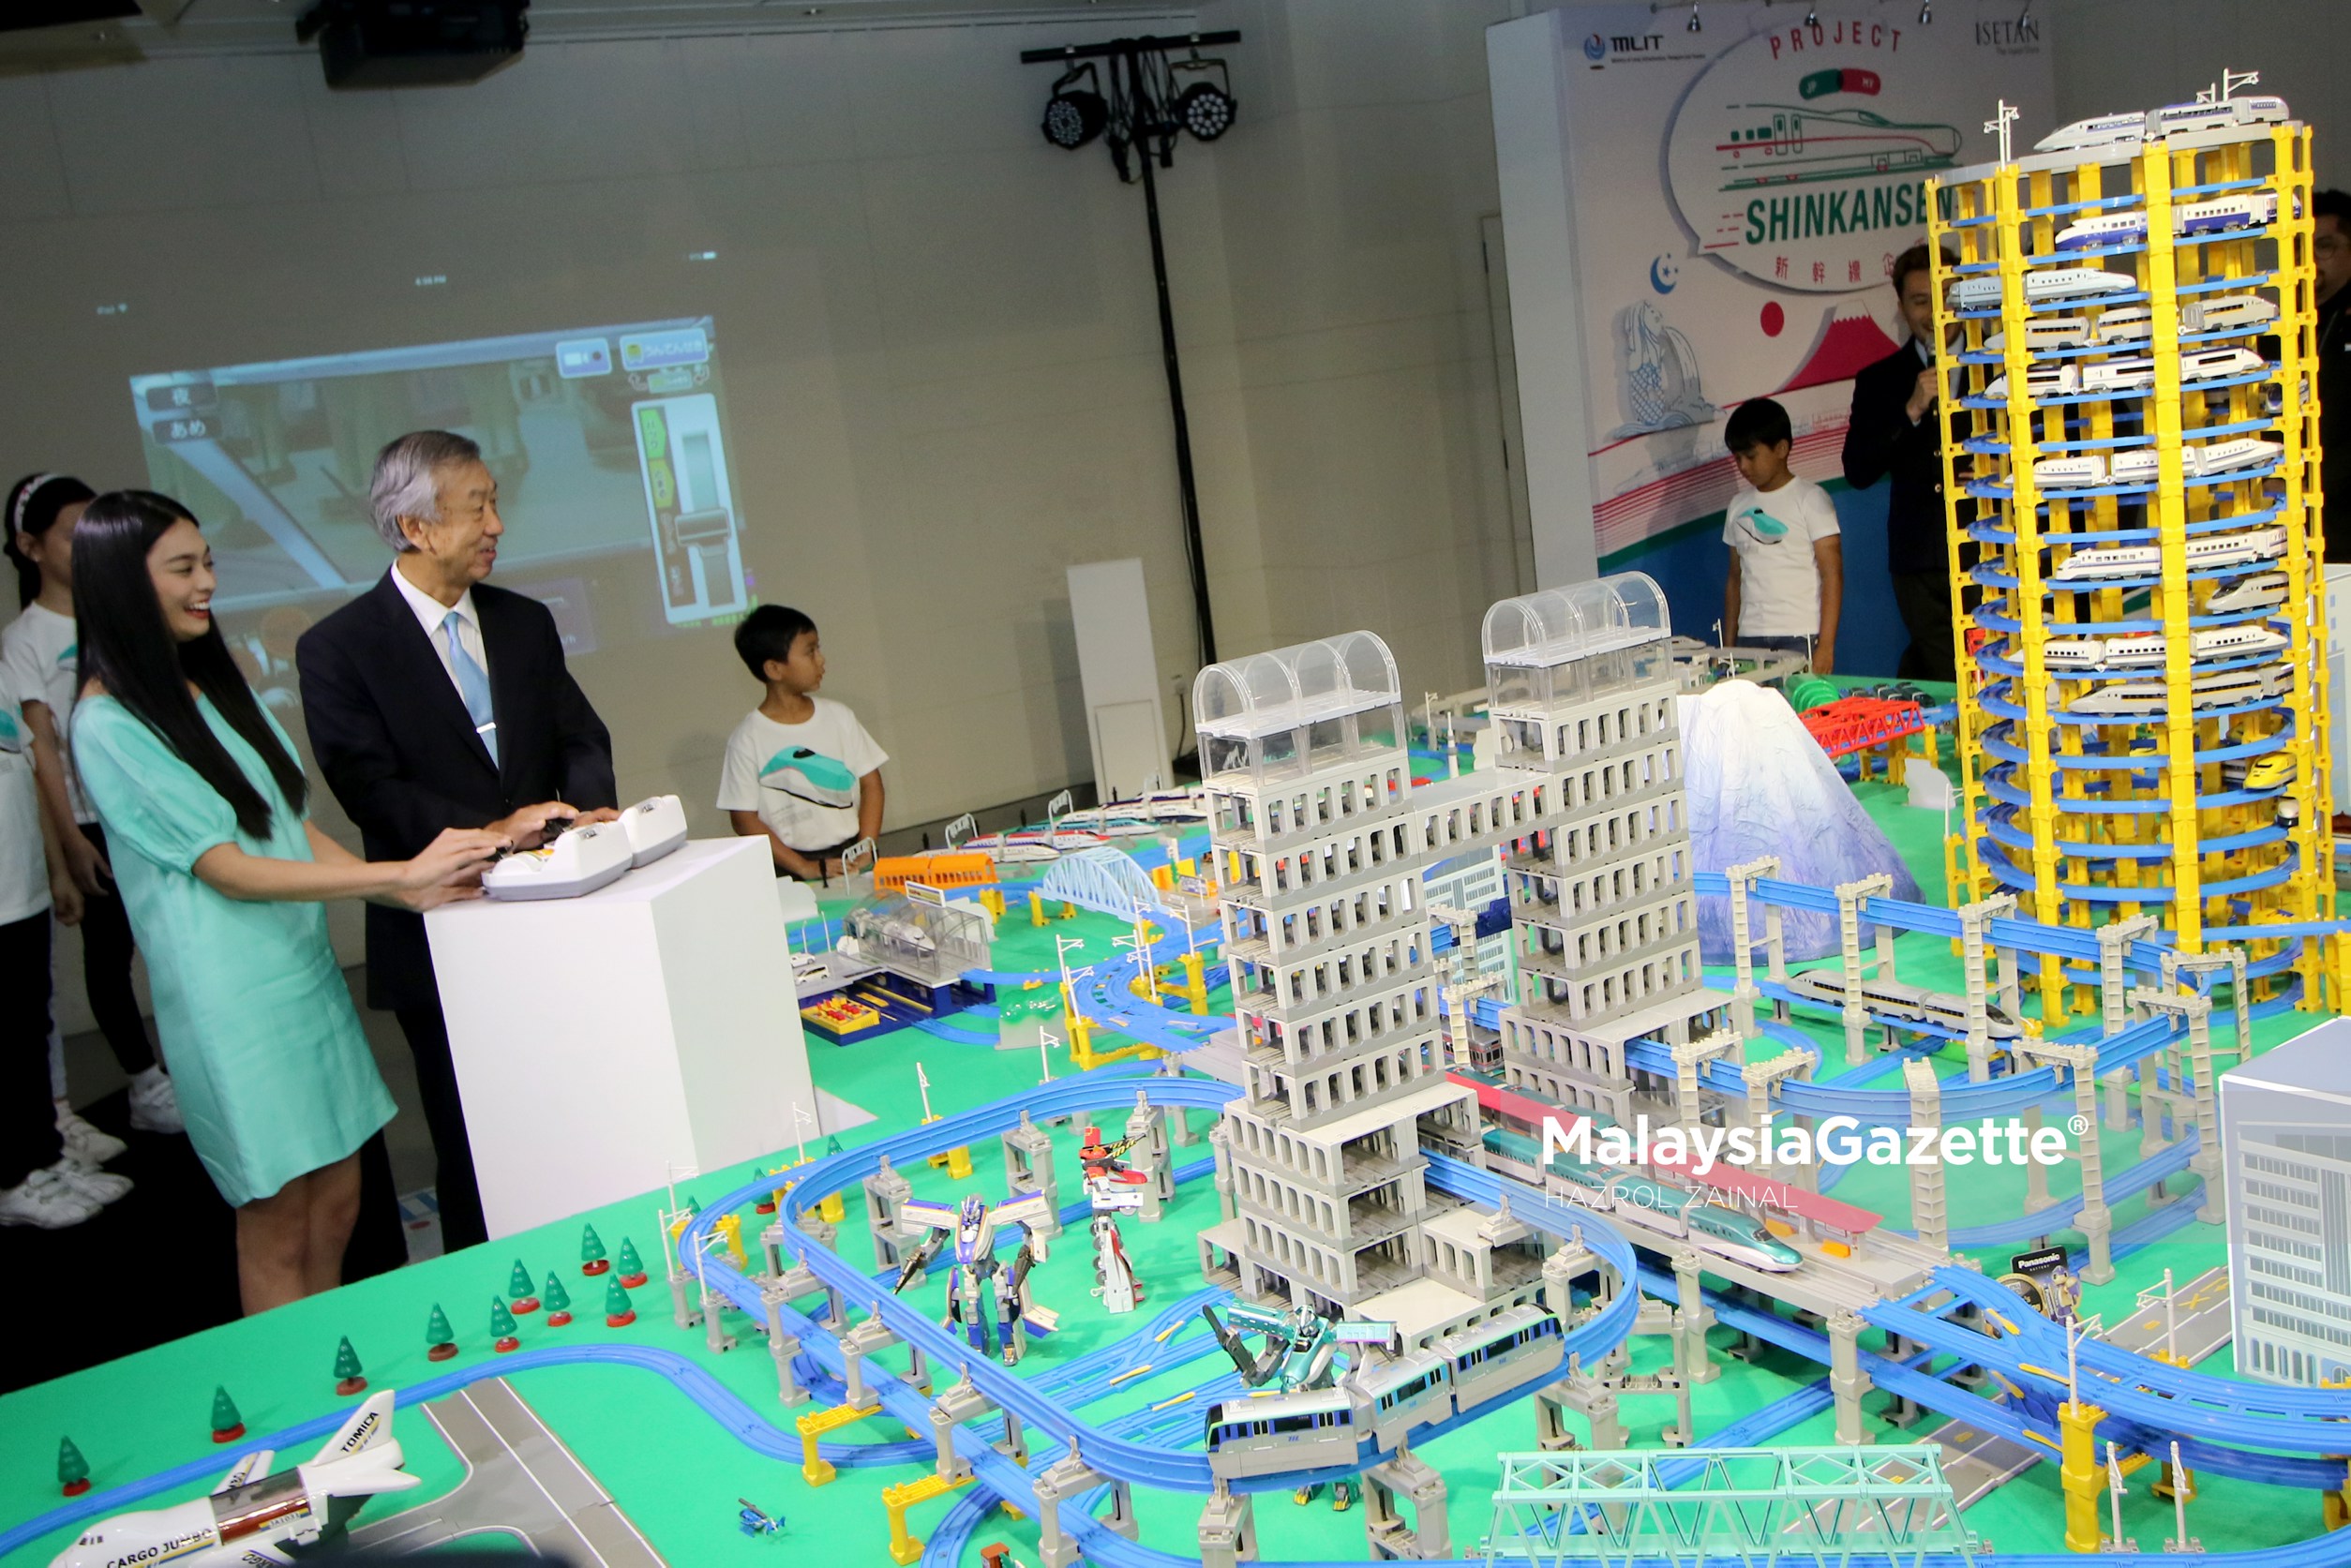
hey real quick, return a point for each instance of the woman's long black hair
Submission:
(128, 647)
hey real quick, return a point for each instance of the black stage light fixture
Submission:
(1694, 22)
(1206, 109)
(1074, 115)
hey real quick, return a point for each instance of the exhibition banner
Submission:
(1737, 197)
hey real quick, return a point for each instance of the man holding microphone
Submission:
(1894, 431)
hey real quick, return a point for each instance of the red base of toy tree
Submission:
(597, 1266)
(75, 1488)
(765, 1205)
(230, 1434)
(509, 1343)
(352, 1385)
(556, 1319)
(631, 1281)
(620, 1319)
(441, 1352)
(523, 1303)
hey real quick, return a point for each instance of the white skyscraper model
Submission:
(1583, 685)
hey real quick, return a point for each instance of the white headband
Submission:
(24, 499)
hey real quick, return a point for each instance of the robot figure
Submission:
(1115, 1278)
(988, 1300)
(1300, 1354)
(1102, 1163)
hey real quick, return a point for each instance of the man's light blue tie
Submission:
(472, 684)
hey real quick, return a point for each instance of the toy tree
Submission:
(440, 1340)
(592, 1258)
(502, 1327)
(519, 1287)
(349, 1379)
(632, 1268)
(227, 1424)
(73, 1471)
(558, 1303)
(618, 1313)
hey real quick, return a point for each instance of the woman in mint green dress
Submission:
(223, 874)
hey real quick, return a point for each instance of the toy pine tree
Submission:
(347, 1375)
(592, 1258)
(632, 1268)
(440, 1340)
(73, 1471)
(618, 1313)
(519, 1287)
(558, 1303)
(227, 1424)
(502, 1327)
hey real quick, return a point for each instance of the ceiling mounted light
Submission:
(1694, 25)
(1812, 16)
(1206, 109)
(1074, 115)
(1926, 11)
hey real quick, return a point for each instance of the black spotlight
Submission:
(1207, 109)
(1074, 115)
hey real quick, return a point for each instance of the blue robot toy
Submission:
(986, 1299)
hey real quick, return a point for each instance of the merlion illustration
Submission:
(1659, 374)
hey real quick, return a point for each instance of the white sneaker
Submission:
(85, 1141)
(98, 1187)
(44, 1200)
(155, 1106)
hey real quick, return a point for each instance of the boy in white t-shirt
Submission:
(1787, 563)
(799, 768)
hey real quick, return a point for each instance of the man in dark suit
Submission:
(434, 700)
(1894, 431)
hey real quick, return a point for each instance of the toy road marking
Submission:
(1169, 1404)
(1134, 1372)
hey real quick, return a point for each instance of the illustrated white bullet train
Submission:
(246, 1523)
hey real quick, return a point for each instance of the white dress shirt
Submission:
(431, 612)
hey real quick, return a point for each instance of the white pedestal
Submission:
(600, 1041)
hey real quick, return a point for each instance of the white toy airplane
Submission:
(246, 1523)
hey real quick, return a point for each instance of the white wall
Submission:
(943, 375)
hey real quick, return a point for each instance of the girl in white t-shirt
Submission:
(38, 647)
(41, 1183)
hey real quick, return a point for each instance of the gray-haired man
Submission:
(434, 700)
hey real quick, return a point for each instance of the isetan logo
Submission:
(2007, 35)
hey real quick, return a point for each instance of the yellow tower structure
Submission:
(2130, 416)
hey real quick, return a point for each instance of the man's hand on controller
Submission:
(529, 827)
